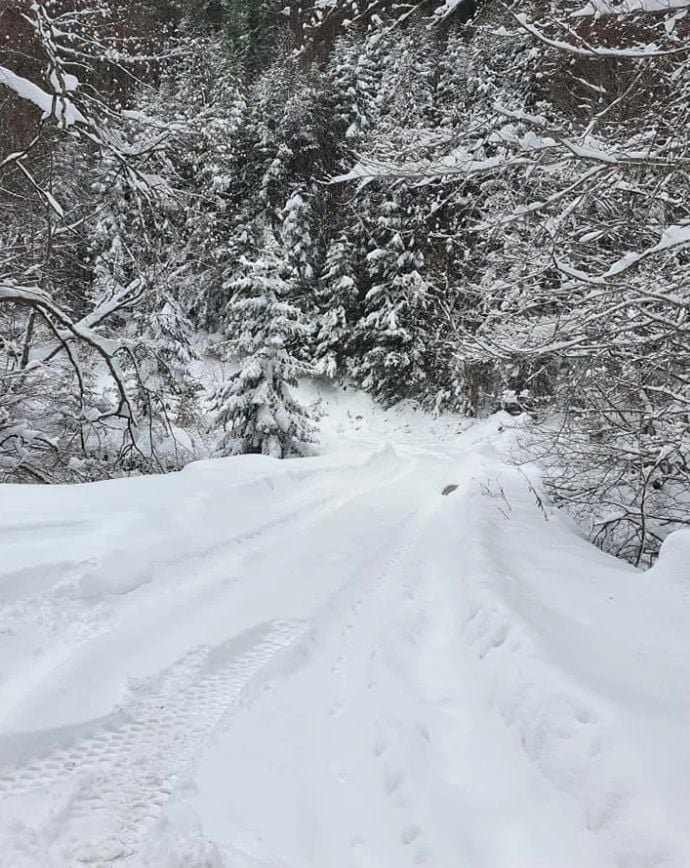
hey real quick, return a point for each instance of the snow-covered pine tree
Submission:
(451, 85)
(392, 333)
(339, 308)
(207, 103)
(256, 407)
(353, 84)
(293, 140)
(410, 82)
(297, 236)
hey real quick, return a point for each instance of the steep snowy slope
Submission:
(326, 663)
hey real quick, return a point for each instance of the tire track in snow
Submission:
(69, 619)
(119, 772)
(110, 779)
(69, 614)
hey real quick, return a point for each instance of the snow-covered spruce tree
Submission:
(285, 144)
(256, 407)
(391, 333)
(297, 236)
(254, 29)
(299, 152)
(452, 81)
(340, 308)
(400, 110)
(281, 147)
(353, 79)
(200, 108)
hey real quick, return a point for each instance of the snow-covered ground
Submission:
(326, 663)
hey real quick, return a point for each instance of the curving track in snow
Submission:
(328, 664)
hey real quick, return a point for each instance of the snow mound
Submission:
(673, 564)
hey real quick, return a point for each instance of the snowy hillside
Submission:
(327, 663)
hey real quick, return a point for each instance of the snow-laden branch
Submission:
(64, 328)
(672, 238)
(458, 162)
(589, 149)
(518, 149)
(586, 50)
(11, 292)
(606, 8)
(56, 105)
(447, 8)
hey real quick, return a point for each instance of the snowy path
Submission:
(328, 664)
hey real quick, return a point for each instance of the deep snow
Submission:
(325, 663)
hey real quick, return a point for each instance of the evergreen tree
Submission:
(297, 235)
(353, 80)
(255, 406)
(391, 332)
(340, 308)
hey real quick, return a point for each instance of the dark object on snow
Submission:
(449, 489)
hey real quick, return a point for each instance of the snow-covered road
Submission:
(326, 663)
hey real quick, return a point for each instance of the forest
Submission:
(471, 205)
